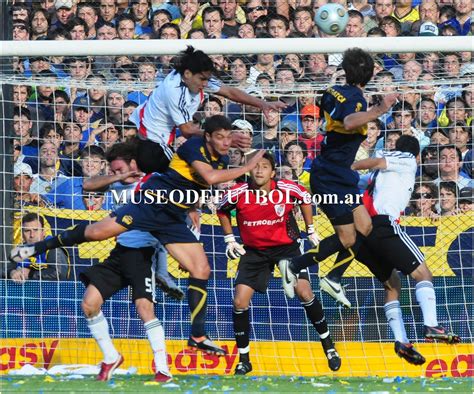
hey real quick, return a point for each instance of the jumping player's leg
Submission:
(315, 314)
(192, 258)
(81, 233)
(240, 318)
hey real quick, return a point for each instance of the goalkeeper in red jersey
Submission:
(269, 233)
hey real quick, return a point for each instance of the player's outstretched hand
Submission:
(388, 101)
(241, 140)
(252, 159)
(137, 175)
(268, 106)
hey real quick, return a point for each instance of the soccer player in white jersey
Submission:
(173, 104)
(132, 262)
(388, 248)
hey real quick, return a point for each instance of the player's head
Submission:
(195, 68)
(264, 172)
(218, 134)
(358, 66)
(122, 159)
(407, 143)
(32, 228)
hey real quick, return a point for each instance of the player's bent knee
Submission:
(241, 303)
(200, 271)
(304, 291)
(422, 273)
(365, 229)
(145, 309)
(91, 308)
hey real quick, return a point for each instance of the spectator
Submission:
(446, 12)
(139, 11)
(128, 108)
(390, 139)
(355, 25)
(47, 5)
(268, 137)
(316, 65)
(126, 27)
(430, 162)
(22, 180)
(255, 9)
(391, 26)
(466, 203)
(69, 194)
(296, 62)
(431, 62)
(169, 31)
(129, 131)
(278, 26)
(456, 110)
(460, 136)
(448, 195)
(40, 22)
(107, 135)
(107, 31)
(405, 13)
(71, 149)
(426, 119)
(107, 11)
(285, 78)
(52, 133)
(412, 71)
(451, 65)
(462, 20)
(429, 12)
(65, 10)
(212, 106)
(236, 157)
(21, 12)
(213, 22)
(450, 160)
(22, 127)
(96, 95)
(295, 156)
(310, 137)
(265, 64)
(367, 147)
(115, 101)
(21, 31)
(52, 265)
(50, 174)
(159, 18)
(439, 136)
(197, 34)
(189, 17)
(61, 108)
(239, 72)
(246, 30)
(423, 203)
(403, 117)
(383, 8)
(89, 13)
(303, 21)
(231, 25)
(79, 68)
(77, 28)
(82, 115)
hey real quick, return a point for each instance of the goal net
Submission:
(45, 157)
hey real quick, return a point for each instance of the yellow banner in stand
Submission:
(268, 358)
(447, 230)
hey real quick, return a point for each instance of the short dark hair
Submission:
(76, 21)
(93, 150)
(297, 143)
(47, 127)
(61, 94)
(403, 106)
(391, 20)
(211, 9)
(125, 17)
(450, 146)
(407, 143)
(358, 66)
(161, 11)
(193, 60)
(168, 25)
(278, 17)
(271, 159)
(213, 99)
(356, 14)
(376, 31)
(302, 9)
(22, 111)
(126, 151)
(217, 122)
(89, 4)
(450, 186)
(31, 217)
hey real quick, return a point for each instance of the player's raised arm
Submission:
(358, 119)
(372, 163)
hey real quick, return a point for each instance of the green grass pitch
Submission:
(231, 384)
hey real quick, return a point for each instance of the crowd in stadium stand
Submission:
(62, 131)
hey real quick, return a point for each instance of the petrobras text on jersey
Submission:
(218, 196)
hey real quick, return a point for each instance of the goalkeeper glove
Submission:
(233, 249)
(312, 236)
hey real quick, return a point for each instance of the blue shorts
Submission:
(328, 179)
(165, 222)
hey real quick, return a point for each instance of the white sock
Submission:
(100, 331)
(393, 312)
(156, 336)
(425, 295)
